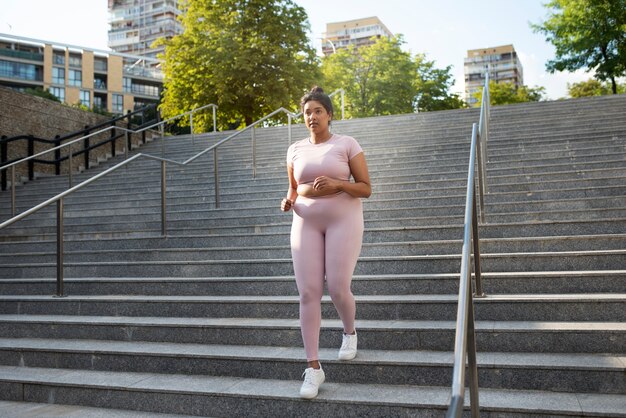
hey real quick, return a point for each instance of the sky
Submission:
(442, 29)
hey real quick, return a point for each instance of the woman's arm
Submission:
(292, 192)
(323, 186)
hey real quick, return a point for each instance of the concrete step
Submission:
(214, 220)
(191, 198)
(424, 264)
(590, 373)
(492, 336)
(164, 250)
(19, 409)
(570, 307)
(278, 234)
(215, 396)
(412, 247)
(542, 282)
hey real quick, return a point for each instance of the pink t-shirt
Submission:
(330, 158)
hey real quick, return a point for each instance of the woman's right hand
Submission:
(286, 204)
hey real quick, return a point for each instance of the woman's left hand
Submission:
(326, 184)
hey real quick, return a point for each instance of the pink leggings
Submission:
(326, 237)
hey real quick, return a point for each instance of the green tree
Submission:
(507, 93)
(249, 57)
(433, 87)
(588, 34)
(377, 78)
(592, 87)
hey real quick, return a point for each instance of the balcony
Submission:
(30, 56)
(152, 73)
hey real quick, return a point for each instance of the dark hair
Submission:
(317, 94)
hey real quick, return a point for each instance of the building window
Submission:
(75, 78)
(117, 106)
(128, 85)
(100, 65)
(75, 61)
(85, 98)
(58, 58)
(58, 75)
(98, 103)
(99, 84)
(19, 70)
(59, 92)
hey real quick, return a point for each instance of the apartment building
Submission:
(358, 32)
(98, 79)
(501, 62)
(136, 24)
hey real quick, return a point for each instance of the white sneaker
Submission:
(313, 378)
(348, 347)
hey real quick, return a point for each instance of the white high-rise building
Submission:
(501, 62)
(136, 24)
(358, 32)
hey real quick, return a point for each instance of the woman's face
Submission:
(316, 118)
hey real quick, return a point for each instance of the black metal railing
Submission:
(138, 119)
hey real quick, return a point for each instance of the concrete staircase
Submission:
(204, 321)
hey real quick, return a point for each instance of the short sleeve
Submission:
(290, 152)
(354, 148)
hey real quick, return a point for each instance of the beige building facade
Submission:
(97, 79)
(358, 32)
(502, 63)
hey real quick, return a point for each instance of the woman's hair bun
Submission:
(317, 89)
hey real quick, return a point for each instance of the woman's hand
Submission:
(326, 185)
(286, 205)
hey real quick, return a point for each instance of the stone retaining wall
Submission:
(25, 114)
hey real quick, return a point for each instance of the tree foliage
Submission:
(249, 57)
(381, 79)
(589, 34)
(432, 86)
(507, 93)
(375, 78)
(592, 87)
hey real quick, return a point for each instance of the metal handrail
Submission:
(60, 203)
(465, 334)
(159, 124)
(483, 137)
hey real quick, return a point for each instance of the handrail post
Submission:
(342, 103)
(3, 159)
(476, 248)
(193, 142)
(70, 169)
(129, 138)
(112, 139)
(13, 205)
(471, 356)
(86, 144)
(127, 147)
(60, 254)
(253, 152)
(57, 155)
(163, 199)
(216, 178)
(214, 119)
(31, 152)
(481, 179)
(289, 125)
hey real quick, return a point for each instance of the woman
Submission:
(327, 229)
